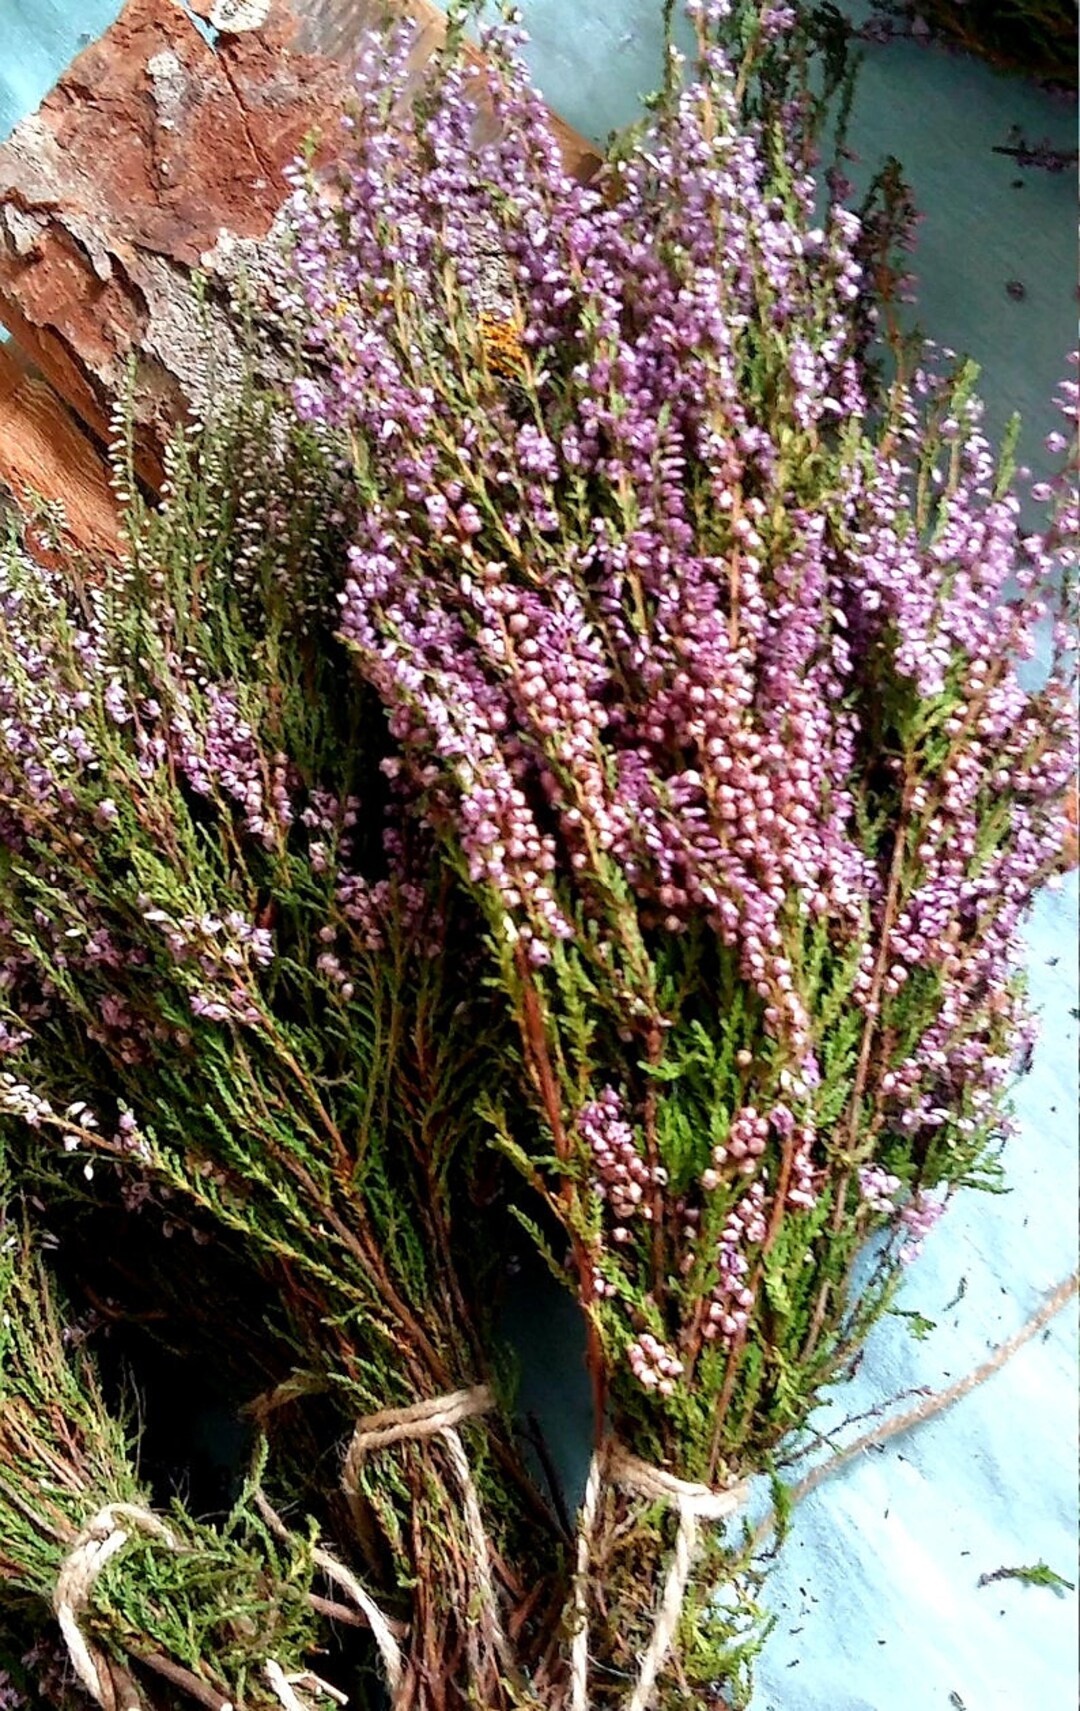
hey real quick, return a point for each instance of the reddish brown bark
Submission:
(44, 451)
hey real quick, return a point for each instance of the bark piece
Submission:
(151, 145)
(45, 452)
(158, 156)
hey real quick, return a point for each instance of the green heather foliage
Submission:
(220, 1605)
(705, 651)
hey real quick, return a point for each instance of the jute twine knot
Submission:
(410, 1425)
(440, 1417)
(107, 1533)
(100, 1540)
(696, 1505)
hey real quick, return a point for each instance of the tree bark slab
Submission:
(159, 156)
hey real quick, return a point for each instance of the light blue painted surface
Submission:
(880, 1574)
(37, 40)
(890, 1552)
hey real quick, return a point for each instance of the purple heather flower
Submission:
(918, 1218)
(623, 1177)
(878, 1188)
(654, 1366)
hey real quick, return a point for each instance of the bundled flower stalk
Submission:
(149, 1605)
(707, 670)
(224, 973)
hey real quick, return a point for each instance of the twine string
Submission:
(410, 1425)
(382, 1629)
(102, 1537)
(99, 1541)
(440, 1417)
(696, 1505)
(579, 1645)
(110, 1529)
(937, 1402)
(284, 1687)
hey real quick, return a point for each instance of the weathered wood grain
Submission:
(45, 452)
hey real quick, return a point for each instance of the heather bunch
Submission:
(709, 672)
(225, 973)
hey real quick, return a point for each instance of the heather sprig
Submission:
(707, 667)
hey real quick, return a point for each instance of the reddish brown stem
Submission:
(197, 1689)
(335, 1612)
(655, 1049)
(873, 1004)
(862, 1071)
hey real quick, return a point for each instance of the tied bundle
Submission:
(703, 643)
(649, 881)
(141, 1599)
(231, 976)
